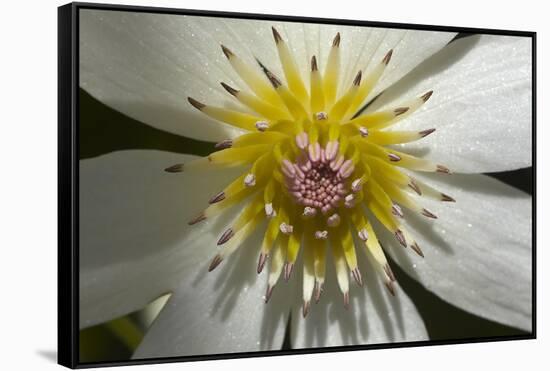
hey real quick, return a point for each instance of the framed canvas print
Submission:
(237, 185)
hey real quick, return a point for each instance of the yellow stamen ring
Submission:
(316, 172)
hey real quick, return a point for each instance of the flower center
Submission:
(317, 172)
(318, 179)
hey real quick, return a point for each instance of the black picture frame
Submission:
(68, 180)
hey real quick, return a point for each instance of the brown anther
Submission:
(397, 211)
(268, 293)
(416, 249)
(228, 53)
(389, 286)
(318, 291)
(276, 35)
(305, 308)
(357, 80)
(412, 184)
(215, 262)
(287, 270)
(389, 272)
(197, 219)
(272, 79)
(346, 300)
(357, 276)
(177, 168)
(314, 64)
(443, 169)
(447, 198)
(428, 214)
(229, 89)
(217, 198)
(261, 262)
(393, 157)
(427, 96)
(226, 143)
(226, 236)
(336, 41)
(425, 133)
(387, 57)
(195, 103)
(400, 237)
(400, 111)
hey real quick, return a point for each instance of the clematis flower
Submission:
(311, 176)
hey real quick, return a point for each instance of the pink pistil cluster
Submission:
(318, 179)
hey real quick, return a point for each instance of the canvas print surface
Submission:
(259, 185)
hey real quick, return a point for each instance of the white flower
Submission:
(135, 244)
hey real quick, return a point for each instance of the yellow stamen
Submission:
(252, 139)
(261, 107)
(253, 208)
(294, 240)
(271, 234)
(339, 264)
(317, 102)
(401, 159)
(343, 104)
(240, 120)
(367, 86)
(378, 119)
(253, 79)
(348, 246)
(290, 69)
(237, 156)
(383, 138)
(239, 237)
(293, 105)
(380, 207)
(330, 78)
(405, 110)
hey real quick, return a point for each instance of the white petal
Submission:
(478, 252)
(220, 312)
(374, 316)
(135, 243)
(410, 48)
(145, 65)
(481, 106)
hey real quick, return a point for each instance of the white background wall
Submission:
(28, 181)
